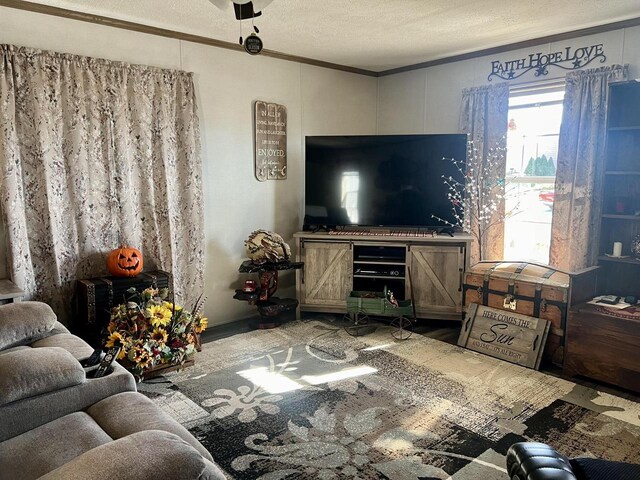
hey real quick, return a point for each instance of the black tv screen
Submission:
(382, 180)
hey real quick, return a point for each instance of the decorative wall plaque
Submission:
(505, 335)
(568, 59)
(270, 141)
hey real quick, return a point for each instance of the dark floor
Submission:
(445, 331)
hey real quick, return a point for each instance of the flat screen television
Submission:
(382, 180)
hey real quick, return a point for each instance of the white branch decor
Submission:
(478, 203)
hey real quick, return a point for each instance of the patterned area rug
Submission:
(309, 401)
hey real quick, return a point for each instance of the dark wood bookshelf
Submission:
(623, 129)
(621, 191)
(622, 172)
(621, 217)
(627, 260)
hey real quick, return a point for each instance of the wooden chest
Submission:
(95, 297)
(604, 346)
(531, 289)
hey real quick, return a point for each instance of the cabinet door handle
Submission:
(461, 280)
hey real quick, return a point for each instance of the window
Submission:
(532, 151)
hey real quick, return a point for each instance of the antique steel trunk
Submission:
(531, 289)
(96, 296)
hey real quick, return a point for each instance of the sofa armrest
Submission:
(25, 322)
(146, 454)
(537, 461)
(129, 412)
(31, 372)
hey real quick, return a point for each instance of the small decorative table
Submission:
(272, 309)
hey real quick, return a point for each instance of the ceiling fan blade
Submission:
(259, 5)
(222, 4)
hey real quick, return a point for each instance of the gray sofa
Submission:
(125, 436)
(58, 423)
(40, 376)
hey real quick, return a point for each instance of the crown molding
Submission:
(163, 32)
(187, 37)
(559, 37)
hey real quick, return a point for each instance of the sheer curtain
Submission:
(580, 173)
(94, 153)
(484, 117)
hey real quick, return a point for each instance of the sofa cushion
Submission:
(148, 454)
(24, 322)
(50, 446)
(26, 373)
(74, 345)
(130, 412)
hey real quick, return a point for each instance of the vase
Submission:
(635, 245)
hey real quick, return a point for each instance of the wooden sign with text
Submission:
(270, 141)
(505, 335)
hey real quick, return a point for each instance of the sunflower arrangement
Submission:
(153, 331)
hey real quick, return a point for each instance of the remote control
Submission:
(106, 362)
(94, 359)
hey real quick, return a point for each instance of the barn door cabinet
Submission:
(427, 269)
(325, 280)
(437, 275)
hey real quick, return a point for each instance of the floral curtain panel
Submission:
(484, 117)
(94, 153)
(580, 173)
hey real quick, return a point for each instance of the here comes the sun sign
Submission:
(504, 334)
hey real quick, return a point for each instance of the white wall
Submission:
(318, 101)
(428, 100)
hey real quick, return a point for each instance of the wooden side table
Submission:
(603, 346)
(271, 309)
(9, 292)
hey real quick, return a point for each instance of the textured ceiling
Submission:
(372, 34)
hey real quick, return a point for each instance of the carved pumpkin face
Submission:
(124, 262)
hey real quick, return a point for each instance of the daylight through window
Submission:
(532, 151)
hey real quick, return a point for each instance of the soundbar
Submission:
(385, 233)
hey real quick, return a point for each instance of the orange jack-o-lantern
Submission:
(124, 262)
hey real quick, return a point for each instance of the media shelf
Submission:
(378, 266)
(427, 269)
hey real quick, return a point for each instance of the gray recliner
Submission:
(125, 436)
(56, 422)
(41, 378)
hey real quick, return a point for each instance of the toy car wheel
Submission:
(403, 328)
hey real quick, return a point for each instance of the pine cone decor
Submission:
(263, 246)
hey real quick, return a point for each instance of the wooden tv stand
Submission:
(334, 265)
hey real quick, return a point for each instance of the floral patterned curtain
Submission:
(94, 153)
(580, 173)
(484, 117)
